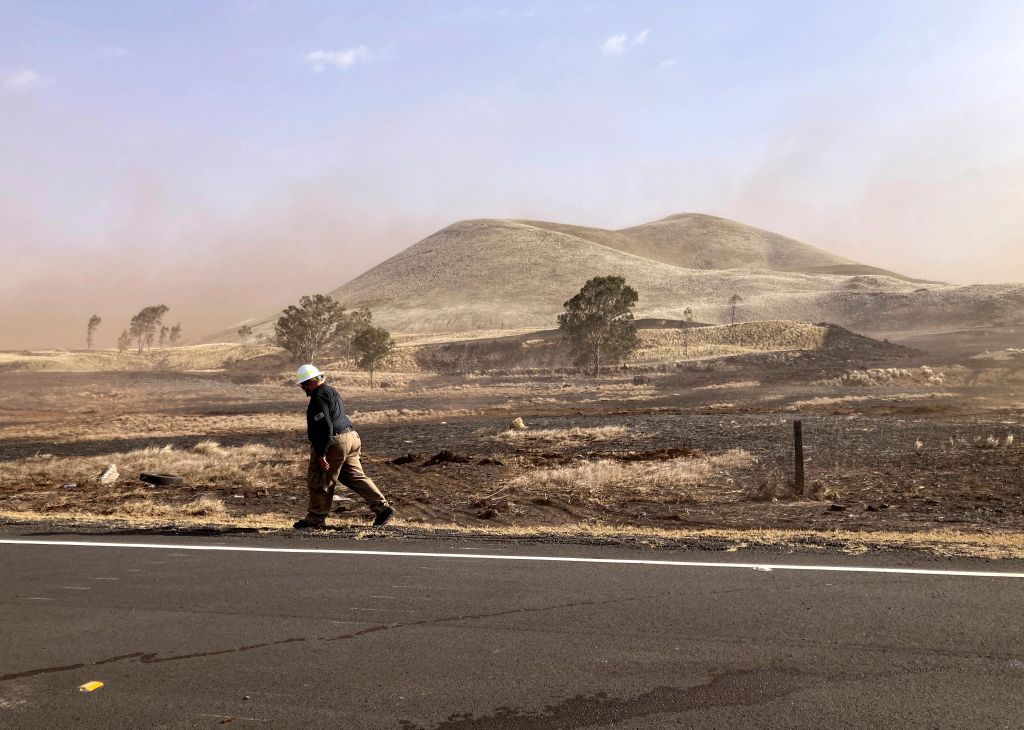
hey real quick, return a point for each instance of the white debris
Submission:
(109, 475)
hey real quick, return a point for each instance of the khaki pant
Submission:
(343, 456)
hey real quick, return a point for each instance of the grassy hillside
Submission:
(697, 241)
(659, 344)
(503, 275)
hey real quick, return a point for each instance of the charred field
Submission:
(895, 447)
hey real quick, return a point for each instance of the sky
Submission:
(226, 158)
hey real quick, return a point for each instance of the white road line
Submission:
(524, 558)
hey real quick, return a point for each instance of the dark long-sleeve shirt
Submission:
(325, 417)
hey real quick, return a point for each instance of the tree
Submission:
(175, 334)
(163, 335)
(123, 342)
(94, 322)
(307, 330)
(734, 300)
(351, 324)
(598, 322)
(372, 346)
(144, 325)
(688, 316)
(244, 332)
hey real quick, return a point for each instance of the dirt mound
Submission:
(444, 456)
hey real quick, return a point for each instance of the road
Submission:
(319, 631)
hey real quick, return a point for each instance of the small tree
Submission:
(734, 300)
(350, 325)
(94, 322)
(598, 322)
(307, 330)
(175, 334)
(688, 316)
(123, 342)
(144, 325)
(244, 332)
(163, 335)
(372, 345)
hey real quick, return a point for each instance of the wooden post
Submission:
(798, 443)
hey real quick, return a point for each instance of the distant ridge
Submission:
(698, 241)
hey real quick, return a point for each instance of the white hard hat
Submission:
(306, 372)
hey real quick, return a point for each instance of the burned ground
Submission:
(901, 448)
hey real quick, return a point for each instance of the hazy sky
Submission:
(224, 158)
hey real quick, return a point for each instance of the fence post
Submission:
(798, 443)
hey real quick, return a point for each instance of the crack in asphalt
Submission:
(154, 658)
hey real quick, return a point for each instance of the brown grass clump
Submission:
(671, 480)
(201, 507)
(209, 448)
(991, 442)
(598, 433)
(853, 400)
(872, 377)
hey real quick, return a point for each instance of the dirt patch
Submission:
(657, 455)
(446, 457)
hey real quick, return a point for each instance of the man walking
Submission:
(334, 453)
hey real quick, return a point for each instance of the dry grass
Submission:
(734, 385)
(667, 345)
(407, 415)
(994, 442)
(852, 400)
(251, 466)
(671, 480)
(940, 542)
(874, 377)
(555, 435)
(210, 448)
(192, 357)
(149, 508)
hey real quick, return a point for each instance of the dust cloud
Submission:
(212, 274)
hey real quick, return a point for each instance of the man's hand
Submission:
(324, 464)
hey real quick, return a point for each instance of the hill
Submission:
(505, 274)
(499, 274)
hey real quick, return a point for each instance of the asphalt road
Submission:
(184, 637)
